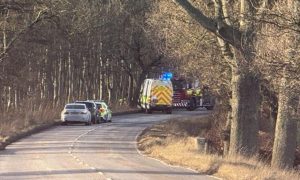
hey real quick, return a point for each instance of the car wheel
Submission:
(106, 118)
(101, 119)
(192, 105)
(148, 111)
(93, 120)
(169, 111)
(89, 122)
(64, 123)
(98, 121)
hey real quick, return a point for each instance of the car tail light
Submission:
(101, 110)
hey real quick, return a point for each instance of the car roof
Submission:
(75, 104)
(97, 101)
(101, 103)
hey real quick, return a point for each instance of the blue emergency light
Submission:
(167, 76)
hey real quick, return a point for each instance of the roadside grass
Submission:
(172, 144)
(23, 119)
(116, 108)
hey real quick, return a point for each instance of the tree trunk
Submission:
(286, 128)
(285, 141)
(220, 12)
(226, 134)
(9, 100)
(130, 89)
(60, 78)
(245, 105)
(1, 97)
(141, 78)
(69, 75)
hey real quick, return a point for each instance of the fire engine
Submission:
(190, 96)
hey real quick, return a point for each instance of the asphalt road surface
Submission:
(105, 151)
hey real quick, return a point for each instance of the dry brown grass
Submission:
(121, 108)
(22, 119)
(181, 150)
(179, 127)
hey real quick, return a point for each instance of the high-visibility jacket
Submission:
(198, 92)
(189, 92)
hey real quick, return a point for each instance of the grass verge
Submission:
(174, 142)
(18, 123)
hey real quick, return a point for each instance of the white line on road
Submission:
(81, 162)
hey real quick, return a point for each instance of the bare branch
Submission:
(224, 31)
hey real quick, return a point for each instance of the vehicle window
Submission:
(103, 105)
(88, 104)
(178, 84)
(75, 106)
(99, 106)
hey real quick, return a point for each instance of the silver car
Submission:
(76, 113)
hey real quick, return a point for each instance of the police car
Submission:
(104, 112)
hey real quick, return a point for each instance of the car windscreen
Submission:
(73, 106)
(178, 84)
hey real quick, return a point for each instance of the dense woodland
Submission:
(247, 51)
(60, 51)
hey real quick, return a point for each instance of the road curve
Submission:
(105, 151)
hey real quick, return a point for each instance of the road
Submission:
(105, 151)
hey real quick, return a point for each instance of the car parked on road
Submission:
(76, 113)
(104, 111)
(92, 107)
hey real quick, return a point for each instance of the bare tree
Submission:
(286, 126)
(244, 103)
